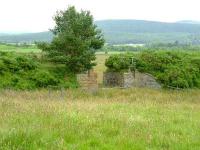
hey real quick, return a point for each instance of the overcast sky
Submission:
(36, 15)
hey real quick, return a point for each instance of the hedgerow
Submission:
(170, 68)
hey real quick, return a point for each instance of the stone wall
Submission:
(113, 79)
(129, 79)
(88, 81)
(145, 80)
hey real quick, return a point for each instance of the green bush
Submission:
(118, 63)
(10, 63)
(196, 61)
(2, 67)
(25, 63)
(24, 84)
(44, 79)
(170, 68)
(24, 72)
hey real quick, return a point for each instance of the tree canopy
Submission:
(76, 38)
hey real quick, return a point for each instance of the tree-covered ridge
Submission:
(129, 31)
(27, 38)
(141, 26)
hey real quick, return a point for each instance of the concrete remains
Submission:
(145, 80)
(129, 79)
(88, 81)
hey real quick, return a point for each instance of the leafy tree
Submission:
(76, 38)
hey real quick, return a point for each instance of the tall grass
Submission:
(109, 119)
(121, 119)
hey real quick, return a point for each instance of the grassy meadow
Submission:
(20, 49)
(109, 119)
(121, 119)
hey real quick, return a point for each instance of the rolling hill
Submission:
(189, 22)
(128, 31)
(27, 37)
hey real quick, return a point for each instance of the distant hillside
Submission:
(3, 34)
(138, 31)
(189, 22)
(28, 37)
(140, 26)
(129, 31)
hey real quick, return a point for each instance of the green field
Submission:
(110, 119)
(121, 119)
(20, 49)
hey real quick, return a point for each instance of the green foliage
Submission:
(118, 63)
(43, 79)
(2, 67)
(170, 68)
(25, 63)
(196, 61)
(76, 39)
(23, 72)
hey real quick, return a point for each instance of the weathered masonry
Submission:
(88, 81)
(129, 79)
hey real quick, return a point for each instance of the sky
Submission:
(17, 16)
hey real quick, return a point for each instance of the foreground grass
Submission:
(109, 119)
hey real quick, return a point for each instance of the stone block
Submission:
(129, 79)
(88, 81)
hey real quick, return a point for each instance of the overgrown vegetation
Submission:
(71, 51)
(118, 63)
(170, 68)
(20, 71)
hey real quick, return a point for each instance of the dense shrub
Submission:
(170, 68)
(2, 67)
(196, 61)
(25, 63)
(23, 72)
(44, 79)
(118, 63)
